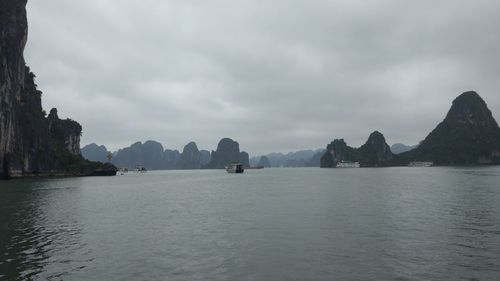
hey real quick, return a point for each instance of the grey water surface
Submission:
(271, 224)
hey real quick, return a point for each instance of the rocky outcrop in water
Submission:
(245, 159)
(374, 153)
(30, 143)
(150, 154)
(171, 157)
(300, 158)
(227, 151)
(204, 157)
(190, 158)
(94, 152)
(469, 135)
(264, 162)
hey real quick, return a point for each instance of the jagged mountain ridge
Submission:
(301, 158)
(469, 135)
(152, 155)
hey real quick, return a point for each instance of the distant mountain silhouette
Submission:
(204, 157)
(171, 158)
(315, 160)
(374, 153)
(301, 158)
(264, 162)
(150, 154)
(399, 148)
(245, 159)
(469, 135)
(153, 157)
(227, 151)
(190, 158)
(94, 152)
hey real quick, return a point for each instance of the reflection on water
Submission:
(39, 224)
(271, 224)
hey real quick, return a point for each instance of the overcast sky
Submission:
(273, 75)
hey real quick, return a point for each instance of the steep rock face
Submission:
(375, 152)
(264, 162)
(149, 154)
(30, 144)
(468, 135)
(171, 158)
(94, 152)
(245, 159)
(67, 130)
(190, 158)
(337, 151)
(23, 129)
(227, 151)
(205, 157)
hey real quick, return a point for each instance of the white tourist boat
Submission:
(235, 168)
(347, 164)
(140, 169)
(421, 164)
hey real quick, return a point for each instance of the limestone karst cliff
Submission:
(227, 151)
(374, 153)
(469, 135)
(31, 144)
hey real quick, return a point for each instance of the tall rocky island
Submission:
(374, 153)
(227, 151)
(469, 135)
(32, 143)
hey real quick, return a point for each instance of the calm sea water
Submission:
(272, 224)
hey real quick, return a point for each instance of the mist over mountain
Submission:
(301, 158)
(264, 162)
(94, 152)
(399, 148)
(153, 156)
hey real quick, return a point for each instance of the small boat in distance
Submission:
(421, 164)
(347, 164)
(140, 169)
(235, 168)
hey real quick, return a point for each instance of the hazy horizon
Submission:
(275, 76)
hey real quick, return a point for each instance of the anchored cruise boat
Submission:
(235, 168)
(347, 164)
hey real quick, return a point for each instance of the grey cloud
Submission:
(274, 75)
